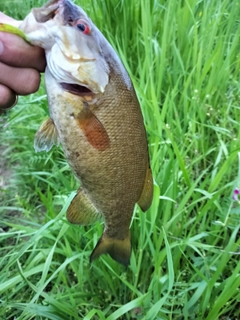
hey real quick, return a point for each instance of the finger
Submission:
(23, 81)
(16, 52)
(7, 98)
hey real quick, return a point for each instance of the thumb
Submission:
(5, 19)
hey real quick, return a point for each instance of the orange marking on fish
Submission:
(93, 130)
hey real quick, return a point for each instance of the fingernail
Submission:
(13, 105)
(1, 47)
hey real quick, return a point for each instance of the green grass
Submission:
(183, 57)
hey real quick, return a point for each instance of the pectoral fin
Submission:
(81, 210)
(118, 249)
(147, 193)
(4, 27)
(93, 129)
(46, 136)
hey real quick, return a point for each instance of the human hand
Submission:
(20, 66)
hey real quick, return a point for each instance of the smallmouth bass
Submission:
(95, 115)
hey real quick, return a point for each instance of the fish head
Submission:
(76, 51)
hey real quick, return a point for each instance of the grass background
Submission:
(183, 58)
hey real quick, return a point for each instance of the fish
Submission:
(96, 117)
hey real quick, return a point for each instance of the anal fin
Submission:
(46, 136)
(81, 210)
(145, 199)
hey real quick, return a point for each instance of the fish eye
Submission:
(83, 27)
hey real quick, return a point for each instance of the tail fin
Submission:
(119, 250)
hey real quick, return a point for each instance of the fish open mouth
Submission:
(76, 89)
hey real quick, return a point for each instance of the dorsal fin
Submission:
(147, 193)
